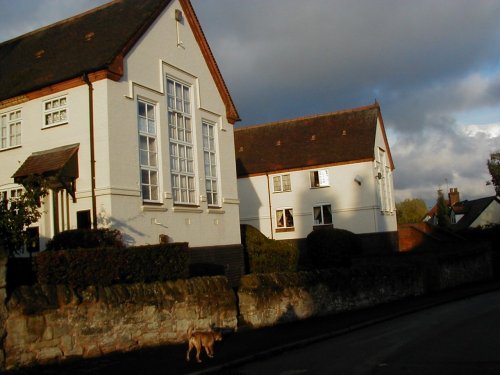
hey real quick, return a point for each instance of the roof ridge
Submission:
(310, 117)
(60, 22)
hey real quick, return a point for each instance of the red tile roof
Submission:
(333, 138)
(62, 161)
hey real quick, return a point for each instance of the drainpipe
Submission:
(270, 207)
(92, 149)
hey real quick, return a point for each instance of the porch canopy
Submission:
(59, 166)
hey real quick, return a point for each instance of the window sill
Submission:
(10, 148)
(322, 226)
(190, 209)
(152, 206)
(281, 230)
(54, 125)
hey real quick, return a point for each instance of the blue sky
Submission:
(434, 67)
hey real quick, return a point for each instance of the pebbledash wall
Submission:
(46, 323)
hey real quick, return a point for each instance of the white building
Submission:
(124, 106)
(332, 169)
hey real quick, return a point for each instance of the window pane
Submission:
(314, 179)
(145, 192)
(279, 219)
(317, 216)
(151, 127)
(170, 87)
(323, 178)
(277, 183)
(286, 182)
(142, 109)
(327, 214)
(289, 217)
(145, 176)
(154, 193)
(151, 111)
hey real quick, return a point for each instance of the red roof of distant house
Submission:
(346, 136)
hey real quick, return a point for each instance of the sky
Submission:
(433, 66)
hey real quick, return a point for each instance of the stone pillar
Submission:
(3, 308)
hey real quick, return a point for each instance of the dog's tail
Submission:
(189, 332)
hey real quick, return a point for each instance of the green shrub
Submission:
(86, 239)
(331, 247)
(264, 255)
(83, 267)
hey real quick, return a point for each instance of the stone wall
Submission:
(48, 323)
(269, 299)
(45, 323)
(3, 309)
(266, 300)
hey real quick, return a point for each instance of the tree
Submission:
(443, 216)
(494, 169)
(17, 214)
(411, 211)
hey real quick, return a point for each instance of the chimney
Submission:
(453, 196)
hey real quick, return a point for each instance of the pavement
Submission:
(248, 345)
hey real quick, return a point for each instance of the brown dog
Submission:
(202, 339)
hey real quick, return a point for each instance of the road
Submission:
(457, 338)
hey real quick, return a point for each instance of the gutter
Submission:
(86, 79)
(270, 206)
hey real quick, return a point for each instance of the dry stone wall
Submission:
(54, 322)
(269, 299)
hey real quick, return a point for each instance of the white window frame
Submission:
(181, 136)
(319, 178)
(148, 150)
(8, 195)
(284, 216)
(209, 133)
(55, 111)
(280, 183)
(384, 176)
(321, 208)
(10, 129)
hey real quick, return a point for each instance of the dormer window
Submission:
(55, 111)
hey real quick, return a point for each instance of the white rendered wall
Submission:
(355, 206)
(119, 202)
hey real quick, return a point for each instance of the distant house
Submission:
(468, 213)
(123, 109)
(477, 213)
(328, 170)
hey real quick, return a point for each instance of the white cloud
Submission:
(489, 131)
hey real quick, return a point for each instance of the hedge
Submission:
(86, 239)
(332, 247)
(84, 267)
(264, 255)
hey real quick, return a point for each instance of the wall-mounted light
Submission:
(358, 180)
(379, 176)
(178, 15)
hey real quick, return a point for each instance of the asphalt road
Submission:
(457, 338)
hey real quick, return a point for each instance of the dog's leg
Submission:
(198, 352)
(189, 350)
(209, 351)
